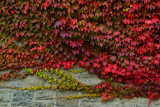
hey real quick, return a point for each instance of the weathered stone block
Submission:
(134, 100)
(91, 99)
(33, 81)
(89, 104)
(156, 102)
(154, 106)
(89, 81)
(15, 83)
(44, 95)
(39, 104)
(5, 95)
(5, 104)
(143, 100)
(51, 105)
(98, 104)
(129, 105)
(141, 105)
(2, 83)
(85, 75)
(22, 98)
(67, 102)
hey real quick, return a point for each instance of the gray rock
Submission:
(84, 75)
(129, 105)
(156, 102)
(143, 100)
(141, 105)
(33, 81)
(4, 104)
(98, 104)
(134, 100)
(91, 99)
(67, 102)
(22, 98)
(89, 81)
(154, 106)
(44, 95)
(15, 83)
(5, 95)
(51, 105)
(89, 104)
(39, 104)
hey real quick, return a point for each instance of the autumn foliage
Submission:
(117, 39)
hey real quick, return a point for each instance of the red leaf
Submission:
(26, 7)
(155, 20)
(156, 61)
(58, 24)
(3, 9)
(128, 39)
(142, 38)
(157, 45)
(148, 22)
(45, 4)
(74, 21)
(126, 21)
(116, 33)
(157, 56)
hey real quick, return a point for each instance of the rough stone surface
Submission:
(22, 98)
(15, 83)
(128, 105)
(143, 100)
(98, 104)
(2, 83)
(134, 100)
(43, 95)
(5, 95)
(39, 104)
(91, 99)
(141, 105)
(157, 102)
(37, 81)
(89, 104)
(5, 105)
(38, 98)
(89, 81)
(67, 102)
(51, 105)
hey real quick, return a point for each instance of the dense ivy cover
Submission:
(116, 39)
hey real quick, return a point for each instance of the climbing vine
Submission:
(118, 40)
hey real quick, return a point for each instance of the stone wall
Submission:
(38, 98)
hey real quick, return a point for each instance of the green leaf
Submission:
(68, 84)
(50, 80)
(125, 10)
(64, 74)
(60, 81)
(56, 69)
(55, 79)
(61, 72)
(44, 75)
(40, 75)
(68, 77)
(72, 78)
(52, 71)
(63, 78)
(79, 22)
(50, 77)
(95, 17)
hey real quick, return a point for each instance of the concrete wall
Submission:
(38, 98)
